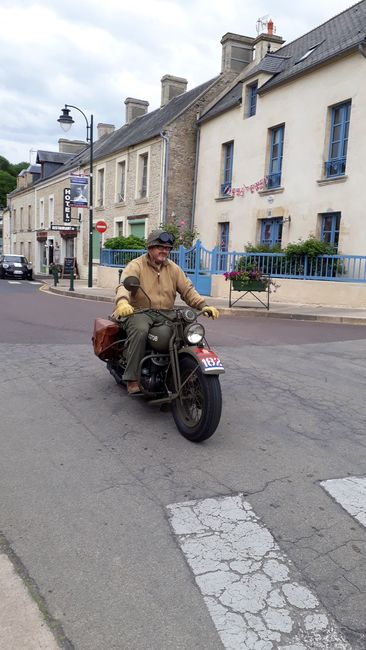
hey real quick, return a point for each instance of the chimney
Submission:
(70, 146)
(104, 129)
(237, 52)
(135, 108)
(171, 87)
(267, 42)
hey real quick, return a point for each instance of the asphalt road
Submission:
(87, 475)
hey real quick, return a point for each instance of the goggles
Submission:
(166, 238)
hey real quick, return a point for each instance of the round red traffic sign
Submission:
(101, 226)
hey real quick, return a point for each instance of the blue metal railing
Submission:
(336, 167)
(341, 268)
(273, 180)
(225, 189)
(200, 261)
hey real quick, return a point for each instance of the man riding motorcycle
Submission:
(161, 279)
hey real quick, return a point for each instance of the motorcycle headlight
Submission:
(194, 333)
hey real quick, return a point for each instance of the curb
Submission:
(78, 294)
(243, 312)
(345, 320)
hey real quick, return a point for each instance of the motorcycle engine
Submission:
(153, 373)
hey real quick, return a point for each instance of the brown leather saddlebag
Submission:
(105, 334)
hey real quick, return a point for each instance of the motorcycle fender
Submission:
(208, 360)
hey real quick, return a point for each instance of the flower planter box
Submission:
(254, 285)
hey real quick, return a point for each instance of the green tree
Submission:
(7, 184)
(8, 177)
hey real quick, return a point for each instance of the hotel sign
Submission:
(67, 205)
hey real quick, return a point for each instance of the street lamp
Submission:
(66, 123)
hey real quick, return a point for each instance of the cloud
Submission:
(95, 54)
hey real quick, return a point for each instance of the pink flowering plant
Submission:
(254, 275)
(251, 274)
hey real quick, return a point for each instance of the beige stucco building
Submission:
(281, 153)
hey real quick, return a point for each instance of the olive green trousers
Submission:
(137, 327)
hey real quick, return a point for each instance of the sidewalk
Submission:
(246, 308)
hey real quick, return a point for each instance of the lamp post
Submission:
(66, 123)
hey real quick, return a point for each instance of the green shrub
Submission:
(312, 247)
(125, 243)
(262, 248)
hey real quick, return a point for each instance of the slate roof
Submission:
(232, 98)
(53, 157)
(33, 169)
(140, 129)
(333, 38)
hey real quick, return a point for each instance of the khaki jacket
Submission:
(160, 285)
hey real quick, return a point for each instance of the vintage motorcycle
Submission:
(179, 368)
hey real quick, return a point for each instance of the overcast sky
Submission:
(94, 54)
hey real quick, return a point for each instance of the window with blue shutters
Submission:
(276, 154)
(252, 99)
(271, 231)
(338, 141)
(227, 172)
(330, 228)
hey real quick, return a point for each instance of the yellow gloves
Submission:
(123, 309)
(210, 311)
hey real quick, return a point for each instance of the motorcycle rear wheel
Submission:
(197, 412)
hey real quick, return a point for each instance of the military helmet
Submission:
(160, 238)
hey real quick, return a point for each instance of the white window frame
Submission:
(51, 209)
(141, 153)
(119, 220)
(118, 194)
(41, 222)
(100, 195)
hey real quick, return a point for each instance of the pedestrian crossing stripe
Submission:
(19, 282)
(253, 592)
(350, 493)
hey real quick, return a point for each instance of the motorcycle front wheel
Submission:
(197, 411)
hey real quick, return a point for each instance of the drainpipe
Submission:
(195, 177)
(164, 181)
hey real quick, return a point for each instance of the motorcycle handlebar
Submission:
(163, 312)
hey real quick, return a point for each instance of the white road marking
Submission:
(26, 282)
(350, 492)
(250, 587)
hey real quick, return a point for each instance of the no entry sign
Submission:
(101, 226)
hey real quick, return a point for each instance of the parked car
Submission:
(15, 266)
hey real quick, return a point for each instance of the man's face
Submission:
(158, 254)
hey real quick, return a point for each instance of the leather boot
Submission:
(133, 387)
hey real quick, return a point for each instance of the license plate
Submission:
(18, 272)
